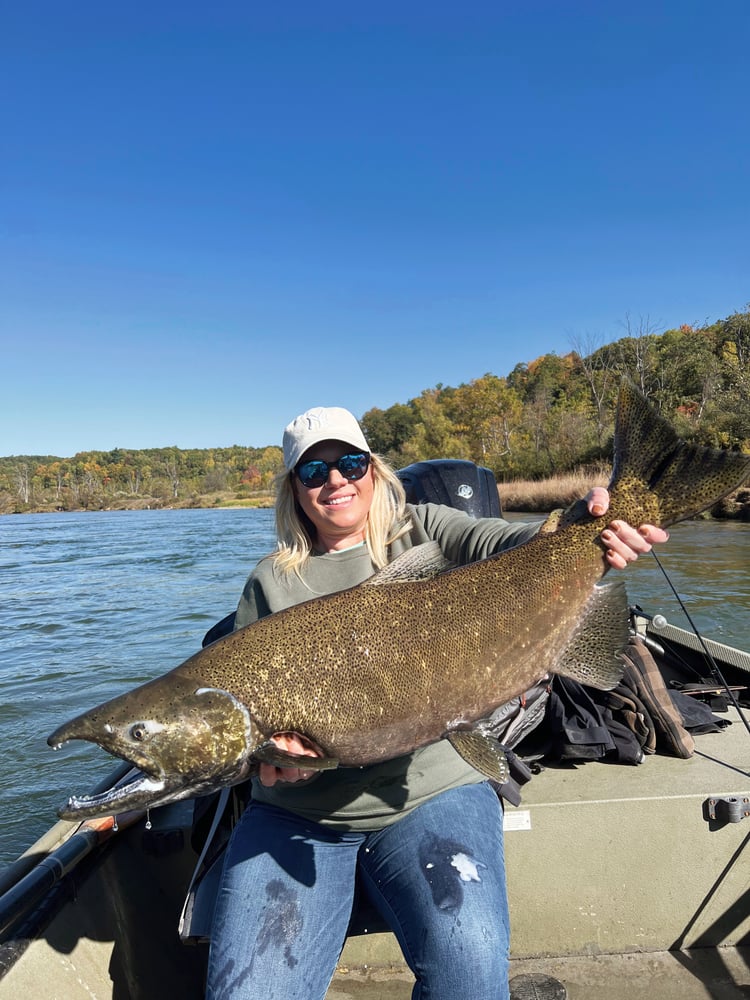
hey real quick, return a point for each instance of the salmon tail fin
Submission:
(658, 474)
(593, 653)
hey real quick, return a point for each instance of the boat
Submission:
(624, 881)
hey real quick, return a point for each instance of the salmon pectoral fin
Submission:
(269, 753)
(482, 752)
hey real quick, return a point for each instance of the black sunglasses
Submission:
(315, 472)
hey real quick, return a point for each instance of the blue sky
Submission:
(213, 216)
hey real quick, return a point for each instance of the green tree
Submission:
(388, 430)
(639, 356)
(434, 434)
(487, 414)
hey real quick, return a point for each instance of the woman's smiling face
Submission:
(340, 507)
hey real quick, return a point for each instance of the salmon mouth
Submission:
(139, 791)
(136, 793)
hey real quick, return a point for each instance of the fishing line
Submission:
(713, 665)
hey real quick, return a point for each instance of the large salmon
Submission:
(397, 663)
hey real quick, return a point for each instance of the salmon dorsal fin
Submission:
(420, 563)
(593, 654)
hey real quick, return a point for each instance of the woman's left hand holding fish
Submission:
(293, 743)
(623, 542)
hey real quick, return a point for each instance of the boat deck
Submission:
(614, 872)
(707, 974)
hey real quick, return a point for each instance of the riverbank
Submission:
(520, 496)
(205, 501)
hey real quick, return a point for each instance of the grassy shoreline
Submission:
(530, 497)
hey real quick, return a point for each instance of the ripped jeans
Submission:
(437, 877)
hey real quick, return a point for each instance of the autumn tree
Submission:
(434, 434)
(487, 415)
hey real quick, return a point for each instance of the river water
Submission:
(92, 604)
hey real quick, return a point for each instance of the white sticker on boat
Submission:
(517, 819)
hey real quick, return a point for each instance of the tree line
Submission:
(556, 414)
(149, 477)
(545, 418)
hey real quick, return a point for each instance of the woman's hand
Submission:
(622, 542)
(269, 774)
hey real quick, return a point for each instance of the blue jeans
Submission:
(437, 876)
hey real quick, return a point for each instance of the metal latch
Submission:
(730, 809)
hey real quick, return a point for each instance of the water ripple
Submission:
(92, 605)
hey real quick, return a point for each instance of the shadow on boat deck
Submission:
(700, 974)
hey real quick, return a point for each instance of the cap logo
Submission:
(465, 491)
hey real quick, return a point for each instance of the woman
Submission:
(423, 832)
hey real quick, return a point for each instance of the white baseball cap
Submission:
(321, 423)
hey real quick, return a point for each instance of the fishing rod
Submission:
(712, 664)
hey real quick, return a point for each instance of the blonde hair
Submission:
(386, 521)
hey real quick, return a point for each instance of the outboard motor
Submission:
(453, 482)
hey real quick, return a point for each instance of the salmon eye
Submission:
(138, 732)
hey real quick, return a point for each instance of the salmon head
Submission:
(185, 740)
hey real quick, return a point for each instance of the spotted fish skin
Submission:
(377, 671)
